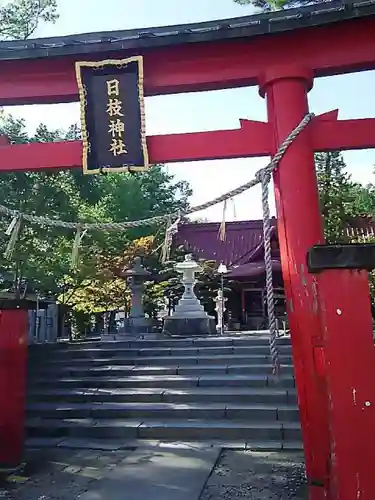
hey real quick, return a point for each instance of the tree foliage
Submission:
(336, 196)
(43, 255)
(342, 200)
(269, 5)
(20, 18)
(109, 289)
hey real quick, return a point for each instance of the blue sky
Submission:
(352, 94)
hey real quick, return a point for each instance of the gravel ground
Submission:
(62, 474)
(58, 474)
(257, 476)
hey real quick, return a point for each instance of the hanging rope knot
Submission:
(171, 230)
(76, 245)
(13, 230)
(234, 207)
(265, 176)
(258, 176)
(222, 228)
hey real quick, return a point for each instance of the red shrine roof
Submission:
(242, 250)
(266, 23)
(243, 241)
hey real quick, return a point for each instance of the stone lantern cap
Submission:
(136, 270)
(188, 265)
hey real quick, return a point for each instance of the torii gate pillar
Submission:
(332, 338)
(299, 228)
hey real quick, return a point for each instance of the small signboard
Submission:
(112, 115)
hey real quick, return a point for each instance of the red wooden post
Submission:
(350, 361)
(13, 360)
(299, 228)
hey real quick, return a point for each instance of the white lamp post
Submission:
(222, 269)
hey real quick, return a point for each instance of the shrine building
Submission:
(242, 251)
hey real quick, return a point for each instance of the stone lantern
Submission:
(136, 277)
(189, 317)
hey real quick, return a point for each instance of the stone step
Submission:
(101, 352)
(164, 411)
(184, 343)
(131, 444)
(163, 381)
(271, 395)
(208, 389)
(241, 340)
(233, 359)
(181, 430)
(119, 371)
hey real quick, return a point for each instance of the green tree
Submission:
(43, 254)
(341, 199)
(335, 190)
(109, 291)
(20, 18)
(139, 196)
(269, 5)
(363, 199)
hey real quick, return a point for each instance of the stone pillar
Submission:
(52, 322)
(41, 326)
(32, 326)
(189, 317)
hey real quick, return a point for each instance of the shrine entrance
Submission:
(327, 293)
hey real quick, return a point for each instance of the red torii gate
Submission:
(282, 52)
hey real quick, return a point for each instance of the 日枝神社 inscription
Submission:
(116, 127)
(112, 115)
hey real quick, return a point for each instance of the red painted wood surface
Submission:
(252, 139)
(299, 227)
(333, 49)
(13, 365)
(350, 371)
(331, 135)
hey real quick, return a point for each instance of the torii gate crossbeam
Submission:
(252, 139)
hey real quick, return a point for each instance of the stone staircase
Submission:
(212, 389)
